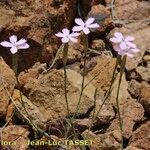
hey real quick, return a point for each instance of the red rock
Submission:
(134, 88)
(131, 9)
(140, 137)
(130, 110)
(145, 97)
(7, 85)
(100, 72)
(17, 135)
(47, 93)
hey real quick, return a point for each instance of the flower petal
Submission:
(123, 45)
(116, 47)
(21, 41)
(66, 32)
(14, 50)
(23, 46)
(115, 40)
(130, 44)
(94, 25)
(76, 34)
(129, 38)
(13, 39)
(77, 28)
(118, 35)
(59, 34)
(6, 44)
(86, 30)
(79, 21)
(65, 40)
(89, 21)
(130, 55)
(74, 40)
(121, 52)
(135, 50)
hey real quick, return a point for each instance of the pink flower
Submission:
(124, 45)
(15, 46)
(85, 26)
(67, 36)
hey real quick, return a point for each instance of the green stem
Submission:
(122, 67)
(85, 38)
(65, 53)
(95, 96)
(15, 63)
(109, 90)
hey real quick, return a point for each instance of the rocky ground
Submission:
(43, 94)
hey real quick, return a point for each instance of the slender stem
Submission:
(15, 63)
(95, 95)
(109, 90)
(85, 38)
(65, 53)
(122, 67)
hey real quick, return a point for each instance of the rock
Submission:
(140, 32)
(47, 93)
(75, 66)
(102, 77)
(58, 127)
(102, 141)
(129, 9)
(74, 54)
(37, 21)
(127, 127)
(83, 124)
(131, 113)
(10, 114)
(123, 94)
(105, 115)
(146, 59)
(144, 73)
(33, 111)
(132, 148)
(7, 85)
(33, 72)
(133, 75)
(6, 18)
(141, 137)
(90, 64)
(145, 97)
(134, 88)
(98, 45)
(17, 135)
(102, 16)
(130, 110)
